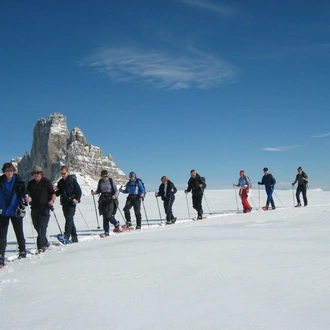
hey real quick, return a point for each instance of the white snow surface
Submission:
(262, 270)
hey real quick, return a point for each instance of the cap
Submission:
(241, 172)
(265, 169)
(36, 169)
(132, 175)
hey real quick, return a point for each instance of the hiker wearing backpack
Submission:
(269, 182)
(136, 191)
(196, 185)
(166, 191)
(245, 185)
(69, 190)
(302, 179)
(12, 197)
(108, 201)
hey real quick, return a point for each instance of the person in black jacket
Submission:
(166, 191)
(302, 179)
(196, 185)
(69, 190)
(42, 198)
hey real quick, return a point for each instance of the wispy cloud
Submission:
(321, 135)
(276, 149)
(161, 70)
(211, 6)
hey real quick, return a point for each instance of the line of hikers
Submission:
(269, 182)
(40, 194)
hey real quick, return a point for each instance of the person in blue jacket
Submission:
(12, 200)
(269, 182)
(135, 190)
(166, 191)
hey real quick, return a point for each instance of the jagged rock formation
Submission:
(53, 146)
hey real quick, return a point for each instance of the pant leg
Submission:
(298, 191)
(69, 211)
(244, 198)
(4, 223)
(106, 226)
(137, 211)
(18, 229)
(197, 203)
(126, 209)
(40, 219)
(304, 193)
(168, 208)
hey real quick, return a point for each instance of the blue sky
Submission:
(168, 86)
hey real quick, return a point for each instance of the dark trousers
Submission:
(108, 211)
(40, 218)
(168, 202)
(136, 203)
(69, 211)
(269, 192)
(301, 189)
(197, 203)
(18, 229)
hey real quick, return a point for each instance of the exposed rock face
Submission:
(53, 146)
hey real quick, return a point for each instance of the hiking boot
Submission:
(298, 205)
(74, 239)
(128, 224)
(200, 217)
(2, 261)
(249, 209)
(22, 255)
(106, 234)
(273, 208)
(138, 227)
(169, 222)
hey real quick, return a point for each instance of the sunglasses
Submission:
(36, 173)
(63, 173)
(8, 171)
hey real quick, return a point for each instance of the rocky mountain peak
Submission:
(53, 146)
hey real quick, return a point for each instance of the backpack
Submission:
(136, 183)
(203, 182)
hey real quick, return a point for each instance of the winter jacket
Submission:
(244, 181)
(41, 192)
(134, 188)
(169, 194)
(69, 190)
(11, 194)
(299, 179)
(193, 185)
(268, 180)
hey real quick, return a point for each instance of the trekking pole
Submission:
(160, 216)
(85, 221)
(278, 198)
(65, 242)
(236, 198)
(293, 196)
(33, 234)
(206, 201)
(97, 218)
(145, 212)
(259, 196)
(253, 201)
(187, 206)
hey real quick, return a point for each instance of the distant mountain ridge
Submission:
(53, 146)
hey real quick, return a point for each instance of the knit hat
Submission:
(299, 168)
(265, 169)
(36, 169)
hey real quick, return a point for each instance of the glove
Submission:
(259, 183)
(20, 211)
(292, 183)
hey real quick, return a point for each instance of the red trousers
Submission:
(244, 198)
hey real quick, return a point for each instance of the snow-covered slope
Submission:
(263, 270)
